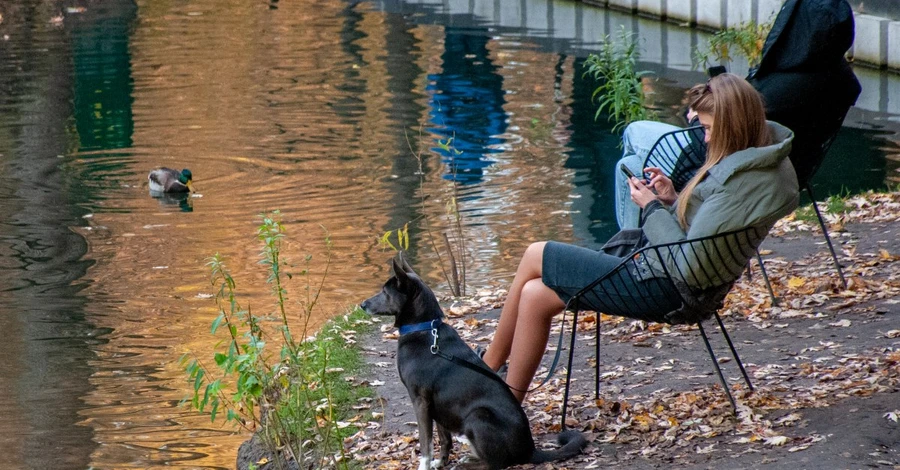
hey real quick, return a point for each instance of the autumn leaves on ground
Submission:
(824, 363)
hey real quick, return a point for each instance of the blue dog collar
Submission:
(428, 325)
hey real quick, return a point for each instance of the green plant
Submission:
(621, 92)
(294, 398)
(835, 204)
(455, 271)
(806, 214)
(838, 203)
(402, 238)
(746, 40)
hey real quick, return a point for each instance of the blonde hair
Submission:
(739, 117)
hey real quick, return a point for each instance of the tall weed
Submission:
(449, 243)
(745, 40)
(620, 93)
(291, 393)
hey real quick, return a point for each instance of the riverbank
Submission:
(825, 363)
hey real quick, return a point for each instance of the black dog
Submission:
(450, 385)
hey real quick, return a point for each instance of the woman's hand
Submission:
(641, 194)
(665, 190)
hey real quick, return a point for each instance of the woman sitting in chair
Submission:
(747, 180)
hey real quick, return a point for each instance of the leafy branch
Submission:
(745, 40)
(620, 93)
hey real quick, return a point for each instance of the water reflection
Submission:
(182, 201)
(863, 157)
(45, 364)
(467, 105)
(314, 108)
(102, 76)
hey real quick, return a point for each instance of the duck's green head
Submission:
(185, 178)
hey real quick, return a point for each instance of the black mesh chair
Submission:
(697, 272)
(679, 154)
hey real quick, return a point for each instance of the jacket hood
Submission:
(769, 156)
(807, 35)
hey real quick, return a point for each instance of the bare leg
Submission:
(524, 323)
(537, 306)
(529, 268)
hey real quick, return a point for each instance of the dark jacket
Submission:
(807, 83)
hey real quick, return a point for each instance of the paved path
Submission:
(826, 365)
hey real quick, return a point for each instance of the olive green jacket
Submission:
(752, 187)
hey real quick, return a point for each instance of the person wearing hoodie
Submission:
(806, 83)
(747, 180)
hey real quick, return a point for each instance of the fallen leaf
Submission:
(795, 282)
(705, 450)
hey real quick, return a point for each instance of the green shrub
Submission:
(620, 93)
(745, 40)
(293, 394)
(836, 204)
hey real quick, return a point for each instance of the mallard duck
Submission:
(167, 180)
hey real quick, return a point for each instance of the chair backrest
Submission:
(814, 161)
(701, 271)
(679, 154)
(702, 263)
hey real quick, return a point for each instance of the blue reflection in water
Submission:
(467, 106)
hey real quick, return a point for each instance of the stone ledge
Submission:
(877, 41)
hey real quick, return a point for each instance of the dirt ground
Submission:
(825, 363)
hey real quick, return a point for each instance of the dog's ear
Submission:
(398, 272)
(406, 267)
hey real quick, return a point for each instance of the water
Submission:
(312, 108)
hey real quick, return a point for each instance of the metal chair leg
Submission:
(837, 264)
(734, 351)
(765, 276)
(597, 360)
(569, 367)
(715, 362)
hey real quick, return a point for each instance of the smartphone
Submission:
(627, 171)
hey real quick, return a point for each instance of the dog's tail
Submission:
(572, 443)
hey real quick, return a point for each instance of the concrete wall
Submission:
(877, 41)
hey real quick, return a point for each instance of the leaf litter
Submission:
(690, 416)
